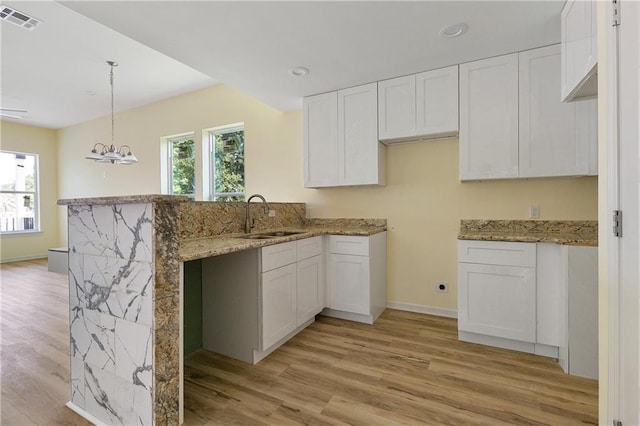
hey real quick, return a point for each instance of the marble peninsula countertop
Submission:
(198, 248)
(568, 232)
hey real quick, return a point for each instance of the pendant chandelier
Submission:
(102, 153)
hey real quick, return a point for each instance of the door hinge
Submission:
(617, 223)
(615, 12)
(617, 423)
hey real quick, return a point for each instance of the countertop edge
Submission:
(124, 199)
(231, 243)
(585, 241)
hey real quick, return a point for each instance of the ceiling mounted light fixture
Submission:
(299, 71)
(455, 30)
(112, 154)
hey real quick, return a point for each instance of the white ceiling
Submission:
(247, 45)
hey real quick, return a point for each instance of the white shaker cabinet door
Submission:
(578, 35)
(397, 108)
(310, 288)
(437, 101)
(359, 152)
(497, 301)
(278, 304)
(556, 138)
(489, 118)
(320, 140)
(348, 286)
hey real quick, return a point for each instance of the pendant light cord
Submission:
(112, 118)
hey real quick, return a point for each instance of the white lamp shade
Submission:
(129, 159)
(113, 155)
(93, 155)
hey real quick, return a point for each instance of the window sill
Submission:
(17, 234)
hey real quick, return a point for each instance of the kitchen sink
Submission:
(268, 235)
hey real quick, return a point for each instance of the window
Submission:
(18, 192)
(181, 165)
(226, 147)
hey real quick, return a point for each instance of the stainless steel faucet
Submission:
(249, 222)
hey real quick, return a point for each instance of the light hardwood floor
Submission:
(406, 369)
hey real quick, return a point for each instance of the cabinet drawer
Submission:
(345, 244)
(278, 255)
(309, 247)
(497, 253)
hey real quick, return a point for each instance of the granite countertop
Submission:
(567, 232)
(125, 199)
(198, 248)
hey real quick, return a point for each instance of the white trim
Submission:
(18, 259)
(422, 309)
(82, 413)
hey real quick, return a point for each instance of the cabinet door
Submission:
(397, 108)
(497, 301)
(489, 118)
(348, 286)
(579, 49)
(278, 304)
(437, 101)
(555, 137)
(358, 146)
(310, 288)
(320, 140)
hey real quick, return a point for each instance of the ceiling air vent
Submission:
(18, 18)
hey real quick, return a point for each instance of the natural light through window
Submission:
(182, 161)
(18, 192)
(226, 149)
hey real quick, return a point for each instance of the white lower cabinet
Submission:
(540, 298)
(349, 283)
(309, 288)
(497, 300)
(278, 304)
(356, 288)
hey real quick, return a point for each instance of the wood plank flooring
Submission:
(406, 369)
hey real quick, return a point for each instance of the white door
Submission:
(497, 301)
(358, 135)
(624, 256)
(348, 286)
(320, 145)
(556, 138)
(397, 107)
(309, 288)
(489, 118)
(437, 101)
(278, 304)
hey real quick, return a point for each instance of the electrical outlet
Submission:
(534, 212)
(442, 287)
(272, 213)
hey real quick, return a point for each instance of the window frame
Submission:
(170, 140)
(36, 195)
(236, 127)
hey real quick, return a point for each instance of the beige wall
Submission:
(423, 200)
(34, 140)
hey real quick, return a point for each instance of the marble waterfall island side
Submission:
(124, 299)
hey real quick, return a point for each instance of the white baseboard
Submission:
(422, 309)
(87, 416)
(18, 259)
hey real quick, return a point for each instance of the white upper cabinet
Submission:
(341, 145)
(359, 153)
(397, 108)
(418, 105)
(437, 102)
(320, 140)
(579, 50)
(512, 123)
(489, 118)
(555, 138)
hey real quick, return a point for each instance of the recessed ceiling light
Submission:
(455, 30)
(299, 71)
(91, 93)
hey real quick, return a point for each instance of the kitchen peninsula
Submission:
(126, 257)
